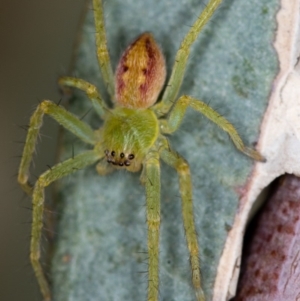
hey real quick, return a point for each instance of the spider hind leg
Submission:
(185, 185)
(56, 172)
(152, 184)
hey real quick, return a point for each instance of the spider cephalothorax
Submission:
(132, 136)
(129, 133)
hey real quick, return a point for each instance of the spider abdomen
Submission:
(140, 74)
(127, 136)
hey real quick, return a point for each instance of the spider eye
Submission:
(127, 163)
(122, 155)
(131, 156)
(113, 153)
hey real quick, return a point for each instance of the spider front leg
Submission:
(185, 184)
(102, 51)
(91, 91)
(152, 182)
(174, 120)
(58, 171)
(65, 118)
(182, 55)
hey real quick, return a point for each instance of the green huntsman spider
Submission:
(132, 137)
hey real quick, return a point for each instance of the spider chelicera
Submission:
(132, 137)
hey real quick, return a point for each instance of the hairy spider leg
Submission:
(185, 186)
(102, 51)
(178, 70)
(104, 65)
(152, 184)
(63, 117)
(178, 111)
(82, 131)
(56, 172)
(91, 91)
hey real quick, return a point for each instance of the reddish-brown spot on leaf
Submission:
(271, 264)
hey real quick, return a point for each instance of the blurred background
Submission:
(37, 39)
